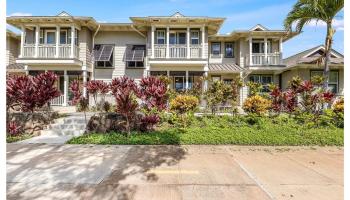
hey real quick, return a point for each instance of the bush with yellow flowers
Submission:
(184, 103)
(256, 105)
(338, 106)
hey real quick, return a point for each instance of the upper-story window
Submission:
(177, 38)
(63, 37)
(194, 37)
(229, 50)
(134, 56)
(103, 55)
(216, 48)
(160, 37)
(258, 46)
(50, 36)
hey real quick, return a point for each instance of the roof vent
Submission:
(63, 14)
(177, 15)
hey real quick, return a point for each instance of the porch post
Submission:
(186, 80)
(242, 89)
(265, 50)
(58, 38)
(188, 42)
(250, 51)
(72, 35)
(152, 42)
(26, 69)
(203, 41)
(37, 34)
(281, 50)
(65, 99)
(167, 42)
(206, 69)
(168, 75)
(22, 41)
(84, 81)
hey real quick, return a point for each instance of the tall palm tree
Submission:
(305, 11)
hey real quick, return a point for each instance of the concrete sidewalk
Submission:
(37, 171)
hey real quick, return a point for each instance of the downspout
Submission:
(93, 45)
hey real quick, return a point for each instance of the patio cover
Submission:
(229, 67)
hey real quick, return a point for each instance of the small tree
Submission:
(153, 92)
(74, 87)
(217, 94)
(125, 92)
(92, 87)
(183, 105)
(45, 86)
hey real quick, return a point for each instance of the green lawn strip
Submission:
(10, 139)
(224, 132)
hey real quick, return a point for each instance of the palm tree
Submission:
(305, 11)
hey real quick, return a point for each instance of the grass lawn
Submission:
(226, 130)
(10, 139)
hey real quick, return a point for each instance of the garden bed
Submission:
(240, 130)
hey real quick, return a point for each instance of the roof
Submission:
(12, 34)
(310, 56)
(231, 67)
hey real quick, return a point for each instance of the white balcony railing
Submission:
(260, 59)
(58, 101)
(177, 51)
(49, 51)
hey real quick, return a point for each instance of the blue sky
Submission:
(239, 14)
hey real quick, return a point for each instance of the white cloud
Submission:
(20, 14)
(101, 21)
(338, 24)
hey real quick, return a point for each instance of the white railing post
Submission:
(250, 51)
(188, 42)
(265, 50)
(65, 100)
(152, 42)
(72, 35)
(281, 50)
(167, 42)
(22, 41)
(203, 41)
(58, 35)
(37, 34)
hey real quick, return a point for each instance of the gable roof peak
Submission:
(259, 27)
(63, 14)
(177, 14)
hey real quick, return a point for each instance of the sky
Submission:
(239, 14)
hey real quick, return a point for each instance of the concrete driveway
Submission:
(173, 172)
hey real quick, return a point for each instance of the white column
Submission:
(26, 69)
(168, 75)
(72, 41)
(203, 41)
(206, 69)
(281, 50)
(65, 99)
(84, 83)
(37, 35)
(152, 42)
(265, 50)
(167, 42)
(188, 42)
(58, 38)
(22, 41)
(250, 51)
(186, 80)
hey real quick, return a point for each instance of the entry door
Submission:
(179, 83)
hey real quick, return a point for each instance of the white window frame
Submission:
(320, 73)
(50, 31)
(261, 46)
(41, 36)
(161, 37)
(66, 35)
(195, 37)
(211, 48)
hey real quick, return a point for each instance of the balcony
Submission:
(49, 51)
(258, 59)
(178, 51)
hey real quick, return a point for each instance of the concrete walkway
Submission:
(37, 171)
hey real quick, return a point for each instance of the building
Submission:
(181, 47)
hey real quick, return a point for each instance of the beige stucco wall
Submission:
(12, 50)
(120, 39)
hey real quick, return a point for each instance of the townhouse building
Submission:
(184, 48)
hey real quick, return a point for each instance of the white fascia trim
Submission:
(319, 48)
(60, 62)
(177, 62)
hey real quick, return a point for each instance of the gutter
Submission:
(93, 44)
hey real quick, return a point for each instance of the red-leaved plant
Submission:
(13, 128)
(74, 87)
(153, 92)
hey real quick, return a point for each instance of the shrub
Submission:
(254, 88)
(256, 105)
(148, 122)
(218, 93)
(106, 106)
(338, 106)
(92, 87)
(184, 103)
(74, 87)
(13, 128)
(153, 92)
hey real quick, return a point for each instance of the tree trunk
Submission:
(328, 48)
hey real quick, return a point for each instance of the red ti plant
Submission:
(290, 101)
(148, 122)
(26, 93)
(74, 87)
(277, 99)
(153, 92)
(92, 87)
(45, 86)
(13, 128)
(125, 91)
(11, 92)
(103, 89)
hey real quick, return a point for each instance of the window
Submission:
(264, 80)
(50, 37)
(215, 48)
(63, 37)
(179, 83)
(333, 82)
(216, 78)
(41, 36)
(177, 38)
(70, 36)
(181, 38)
(229, 50)
(103, 54)
(194, 37)
(172, 38)
(228, 81)
(160, 37)
(135, 56)
(258, 46)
